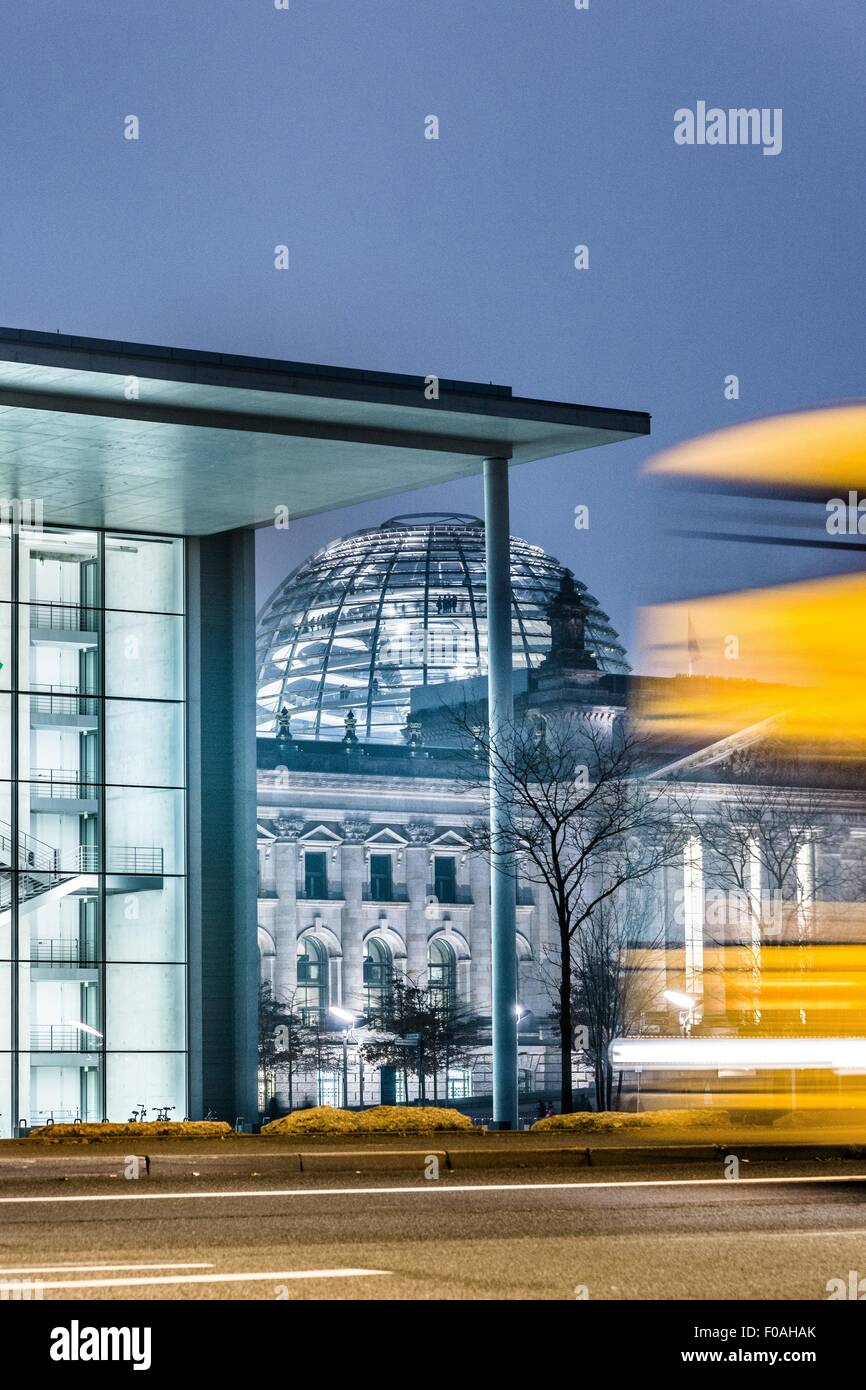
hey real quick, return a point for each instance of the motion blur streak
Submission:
(811, 451)
(761, 694)
(792, 654)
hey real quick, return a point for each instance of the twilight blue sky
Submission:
(455, 257)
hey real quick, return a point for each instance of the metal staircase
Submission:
(38, 871)
(40, 877)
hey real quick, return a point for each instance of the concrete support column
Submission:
(286, 920)
(352, 927)
(479, 885)
(221, 758)
(501, 716)
(417, 922)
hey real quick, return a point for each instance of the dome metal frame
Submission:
(383, 609)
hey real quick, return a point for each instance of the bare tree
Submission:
(584, 819)
(287, 1042)
(422, 1034)
(614, 980)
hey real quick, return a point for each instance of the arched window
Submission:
(442, 974)
(267, 957)
(312, 996)
(378, 974)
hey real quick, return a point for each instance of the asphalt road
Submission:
(660, 1234)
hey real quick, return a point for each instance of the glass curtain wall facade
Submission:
(92, 826)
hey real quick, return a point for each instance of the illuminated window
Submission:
(312, 998)
(378, 974)
(330, 1088)
(442, 974)
(445, 880)
(315, 874)
(92, 902)
(381, 886)
(459, 1083)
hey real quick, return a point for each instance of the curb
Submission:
(75, 1167)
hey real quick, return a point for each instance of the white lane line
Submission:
(251, 1277)
(430, 1189)
(106, 1269)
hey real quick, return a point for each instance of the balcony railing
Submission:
(60, 951)
(62, 699)
(449, 894)
(35, 857)
(52, 783)
(388, 893)
(64, 617)
(120, 859)
(62, 1037)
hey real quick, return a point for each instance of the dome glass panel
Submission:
(373, 614)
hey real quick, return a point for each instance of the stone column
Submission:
(286, 929)
(352, 925)
(286, 919)
(421, 917)
(479, 936)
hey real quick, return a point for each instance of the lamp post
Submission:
(500, 717)
(686, 1004)
(350, 1022)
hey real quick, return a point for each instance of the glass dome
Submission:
(361, 622)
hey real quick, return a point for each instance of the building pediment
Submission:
(450, 839)
(386, 838)
(319, 834)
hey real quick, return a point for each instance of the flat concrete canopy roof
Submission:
(134, 437)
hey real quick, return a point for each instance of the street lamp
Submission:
(349, 1022)
(686, 1003)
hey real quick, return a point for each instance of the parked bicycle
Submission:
(162, 1111)
(138, 1116)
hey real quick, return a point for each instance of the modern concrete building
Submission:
(132, 478)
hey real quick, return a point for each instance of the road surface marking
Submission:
(107, 1269)
(211, 1278)
(430, 1190)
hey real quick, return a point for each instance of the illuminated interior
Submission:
(403, 604)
